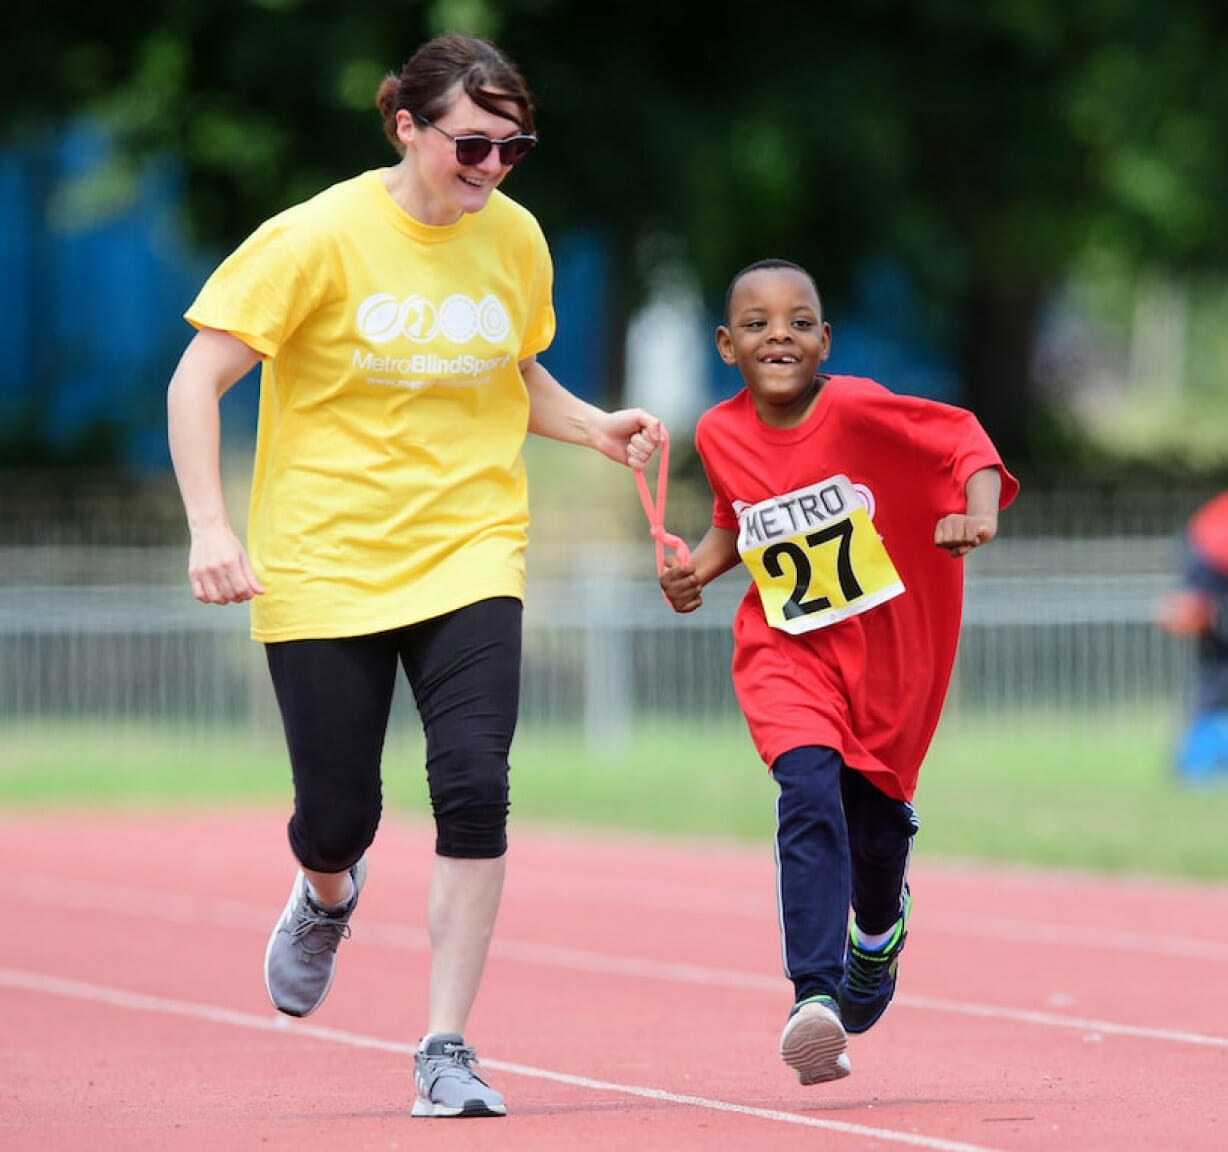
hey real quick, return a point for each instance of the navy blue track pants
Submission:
(839, 842)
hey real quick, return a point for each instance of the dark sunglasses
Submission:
(471, 150)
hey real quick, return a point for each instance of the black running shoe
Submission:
(869, 977)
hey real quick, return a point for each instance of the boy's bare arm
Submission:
(715, 554)
(960, 532)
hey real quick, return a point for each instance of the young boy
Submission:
(850, 507)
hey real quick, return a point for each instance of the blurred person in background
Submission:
(397, 317)
(850, 508)
(1199, 610)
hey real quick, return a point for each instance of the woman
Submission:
(397, 316)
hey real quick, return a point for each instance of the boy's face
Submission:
(775, 336)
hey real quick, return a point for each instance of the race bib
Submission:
(815, 556)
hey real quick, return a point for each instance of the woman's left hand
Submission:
(629, 436)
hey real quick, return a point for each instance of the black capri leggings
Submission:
(335, 698)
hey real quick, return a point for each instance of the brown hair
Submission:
(427, 84)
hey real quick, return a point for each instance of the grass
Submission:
(1071, 793)
(1077, 792)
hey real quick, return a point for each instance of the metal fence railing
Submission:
(1050, 624)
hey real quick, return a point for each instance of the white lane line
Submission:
(1053, 1020)
(49, 892)
(577, 960)
(52, 891)
(213, 1014)
(1081, 936)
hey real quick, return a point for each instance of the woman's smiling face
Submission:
(446, 188)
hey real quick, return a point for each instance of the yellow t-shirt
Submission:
(388, 484)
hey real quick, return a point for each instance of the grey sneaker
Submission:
(447, 1084)
(302, 952)
(813, 1042)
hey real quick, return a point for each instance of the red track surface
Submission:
(633, 1001)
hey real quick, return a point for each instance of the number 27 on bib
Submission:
(815, 556)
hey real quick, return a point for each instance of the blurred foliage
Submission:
(983, 148)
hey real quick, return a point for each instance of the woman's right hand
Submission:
(218, 568)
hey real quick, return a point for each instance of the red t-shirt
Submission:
(872, 685)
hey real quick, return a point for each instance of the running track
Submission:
(633, 1002)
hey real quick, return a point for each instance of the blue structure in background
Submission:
(883, 336)
(95, 294)
(93, 290)
(580, 353)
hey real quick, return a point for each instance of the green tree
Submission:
(983, 148)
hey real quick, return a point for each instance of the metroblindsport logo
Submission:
(383, 317)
